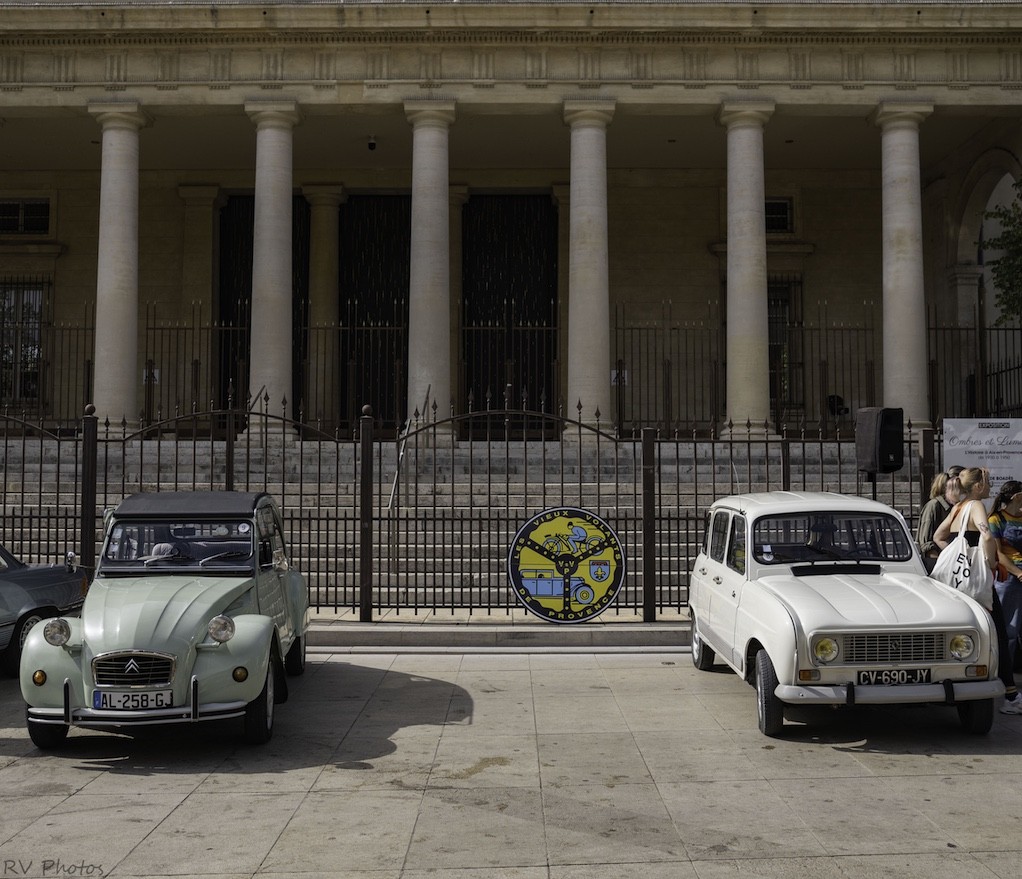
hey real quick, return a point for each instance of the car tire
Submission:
(294, 662)
(976, 717)
(702, 653)
(769, 709)
(259, 712)
(12, 656)
(46, 736)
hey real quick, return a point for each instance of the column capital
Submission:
(326, 194)
(745, 113)
(597, 112)
(901, 113)
(120, 114)
(430, 112)
(274, 114)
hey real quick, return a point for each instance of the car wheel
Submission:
(977, 716)
(259, 712)
(46, 736)
(294, 662)
(769, 709)
(12, 656)
(702, 654)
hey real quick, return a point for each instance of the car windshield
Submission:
(830, 536)
(177, 544)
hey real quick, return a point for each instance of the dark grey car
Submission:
(30, 593)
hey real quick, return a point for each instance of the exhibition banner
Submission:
(994, 443)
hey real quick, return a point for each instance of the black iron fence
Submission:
(424, 521)
(668, 372)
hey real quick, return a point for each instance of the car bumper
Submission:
(92, 718)
(949, 693)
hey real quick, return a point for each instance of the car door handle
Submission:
(717, 580)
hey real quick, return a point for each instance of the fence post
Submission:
(648, 525)
(229, 450)
(927, 463)
(87, 511)
(365, 521)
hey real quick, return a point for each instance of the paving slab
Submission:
(518, 765)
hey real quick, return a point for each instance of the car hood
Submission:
(166, 613)
(863, 601)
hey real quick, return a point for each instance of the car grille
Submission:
(894, 647)
(133, 669)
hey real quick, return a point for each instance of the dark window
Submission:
(24, 216)
(780, 216)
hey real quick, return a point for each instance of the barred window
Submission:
(21, 325)
(24, 216)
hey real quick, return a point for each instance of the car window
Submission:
(830, 536)
(736, 545)
(718, 535)
(164, 543)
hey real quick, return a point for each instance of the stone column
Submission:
(748, 331)
(198, 269)
(322, 385)
(458, 198)
(905, 374)
(270, 368)
(117, 375)
(429, 294)
(588, 273)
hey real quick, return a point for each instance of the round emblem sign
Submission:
(566, 565)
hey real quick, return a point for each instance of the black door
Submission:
(509, 303)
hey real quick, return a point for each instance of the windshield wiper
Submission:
(229, 554)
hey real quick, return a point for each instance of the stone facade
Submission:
(660, 131)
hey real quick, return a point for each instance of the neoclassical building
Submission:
(667, 213)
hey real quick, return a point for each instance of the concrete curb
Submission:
(484, 637)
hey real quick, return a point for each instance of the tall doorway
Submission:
(509, 303)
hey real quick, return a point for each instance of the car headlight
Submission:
(57, 632)
(221, 629)
(961, 646)
(825, 649)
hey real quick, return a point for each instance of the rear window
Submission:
(830, 536)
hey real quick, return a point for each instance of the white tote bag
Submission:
(964, 568)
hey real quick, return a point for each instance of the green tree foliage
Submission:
(1007, 269)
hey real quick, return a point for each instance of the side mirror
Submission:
(71, 562)
(280, 560)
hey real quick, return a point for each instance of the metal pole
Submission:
(87, 512)
(365, 527)
(648, 525)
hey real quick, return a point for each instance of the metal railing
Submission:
(440, 541)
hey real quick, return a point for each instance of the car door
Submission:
(271, 573)
(733, 576)
(712, 574)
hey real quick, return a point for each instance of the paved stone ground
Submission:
(527, 766)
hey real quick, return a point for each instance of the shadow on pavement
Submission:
(337, 712)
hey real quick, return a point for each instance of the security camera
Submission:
(372, 142)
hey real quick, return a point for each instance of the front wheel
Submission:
(976, 717)
(46, 736)
(259, 712)
(769, 709)
(702, 654)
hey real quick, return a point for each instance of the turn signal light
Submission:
(240, 674)
(39, 677)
